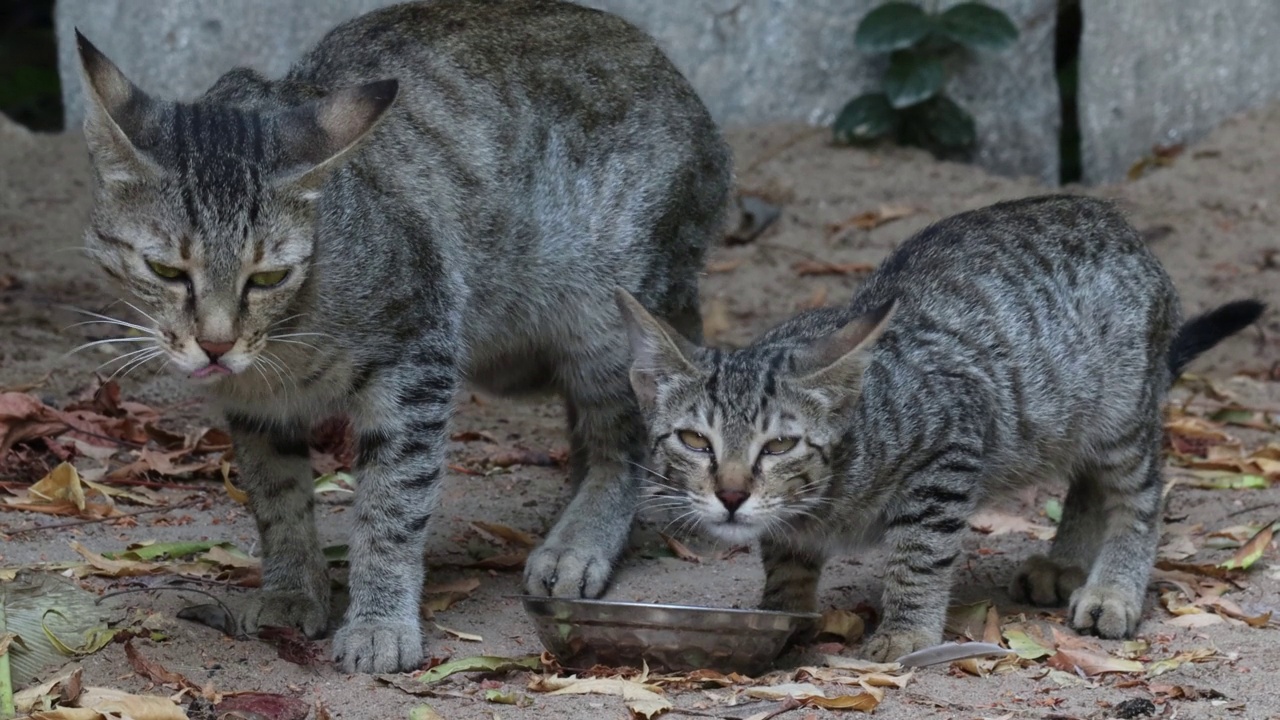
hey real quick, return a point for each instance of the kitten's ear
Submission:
(836, 362)
(658, 352)
(115, 112)
(316, 135)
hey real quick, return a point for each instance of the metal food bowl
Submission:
(583, 633)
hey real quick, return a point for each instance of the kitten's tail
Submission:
(1208, 329)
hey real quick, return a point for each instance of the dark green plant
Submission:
(911, 106)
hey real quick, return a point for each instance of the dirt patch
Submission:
(1212, 216)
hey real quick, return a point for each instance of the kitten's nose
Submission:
(215, 350)
(732, 499)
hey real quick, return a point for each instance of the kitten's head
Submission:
(743, 442)
(207, 213)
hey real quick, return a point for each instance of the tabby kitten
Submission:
(1028, 340)
(438, 192)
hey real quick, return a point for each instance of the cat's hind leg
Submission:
(1130, 483)
(1049, 581)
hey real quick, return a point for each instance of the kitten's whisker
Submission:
(278, 366)
(131, 354)
(300, 334)
(293, 342)
(141, 312)
(104, 320)
(87, 345)
(134, 364)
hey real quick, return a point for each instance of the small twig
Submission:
(152, 484)
(780, 148)
(90, 521)
(1251, 508)
(235, 624)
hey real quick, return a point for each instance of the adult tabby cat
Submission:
(438, 192)
(1028, 340)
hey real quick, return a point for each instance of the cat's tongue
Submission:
(210, 370)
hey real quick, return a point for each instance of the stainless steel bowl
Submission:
(582, 633)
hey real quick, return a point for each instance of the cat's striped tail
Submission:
(1208, 329)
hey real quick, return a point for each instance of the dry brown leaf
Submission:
(115, 568)
(469, 637)
(724, 266)
(844, 624)
(680, 550)
(1091, 663)
(816, 300)
(1249, 553)
(992, 522)
(108, 701)
(509, 561)
(807, 268)
(511, 535)
(233, 492)
(715, 318)
(641, 699)
(155, 672)
(869, 220)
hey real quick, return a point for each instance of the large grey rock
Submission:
(753, 61)
(1160, 72)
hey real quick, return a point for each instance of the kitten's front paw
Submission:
(889, 645)
(1106, 612)
(1043, 582)
(561, 570)
(378, 647)
(286, 609)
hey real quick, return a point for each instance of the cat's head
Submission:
(207, 213)
(743, 442)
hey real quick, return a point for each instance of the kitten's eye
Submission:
(694, 441)
(165, 271)
(777, 446)
(268, 279)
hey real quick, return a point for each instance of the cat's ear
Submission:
(316, 135)
(835, 364)
(658, 352)
(115, 112)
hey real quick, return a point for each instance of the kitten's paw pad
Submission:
(888, 645)
(286, 609)
(568, 571)
(378, 647)
(1043, 582)
(1105, 612)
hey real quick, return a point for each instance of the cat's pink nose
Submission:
(215, 350)
(732, 499)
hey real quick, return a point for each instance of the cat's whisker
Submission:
(107, 341)
(128, 355)
(141, 312)
(124, 370)
(300, 334)
(282, 321)
(293, 342)
(278, 366)
(105, 320)
(266, 380)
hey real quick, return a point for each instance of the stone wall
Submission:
(753, 61)
(1162, 72)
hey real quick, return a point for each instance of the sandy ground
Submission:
(1212, 216)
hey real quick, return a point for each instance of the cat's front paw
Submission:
(562, 570)
(889, 645)
(286, 609)
(1105, 612)
(378, 647)
(1045, 583)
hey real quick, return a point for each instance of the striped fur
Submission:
(1031, 340)
(454, 187)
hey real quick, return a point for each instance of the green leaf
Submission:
(865, 118)
(948, 123)
(1027, 647)
(892, 26)
(336, 553)
(1053, 509)
(424, 712)
(94, 640)
(978, 27)
(481, 663)
(912, 78)
(169, 551)
(334, 482)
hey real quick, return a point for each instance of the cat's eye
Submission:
(267, 279)
(780, 445)
(694, 440)
(167, 272)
